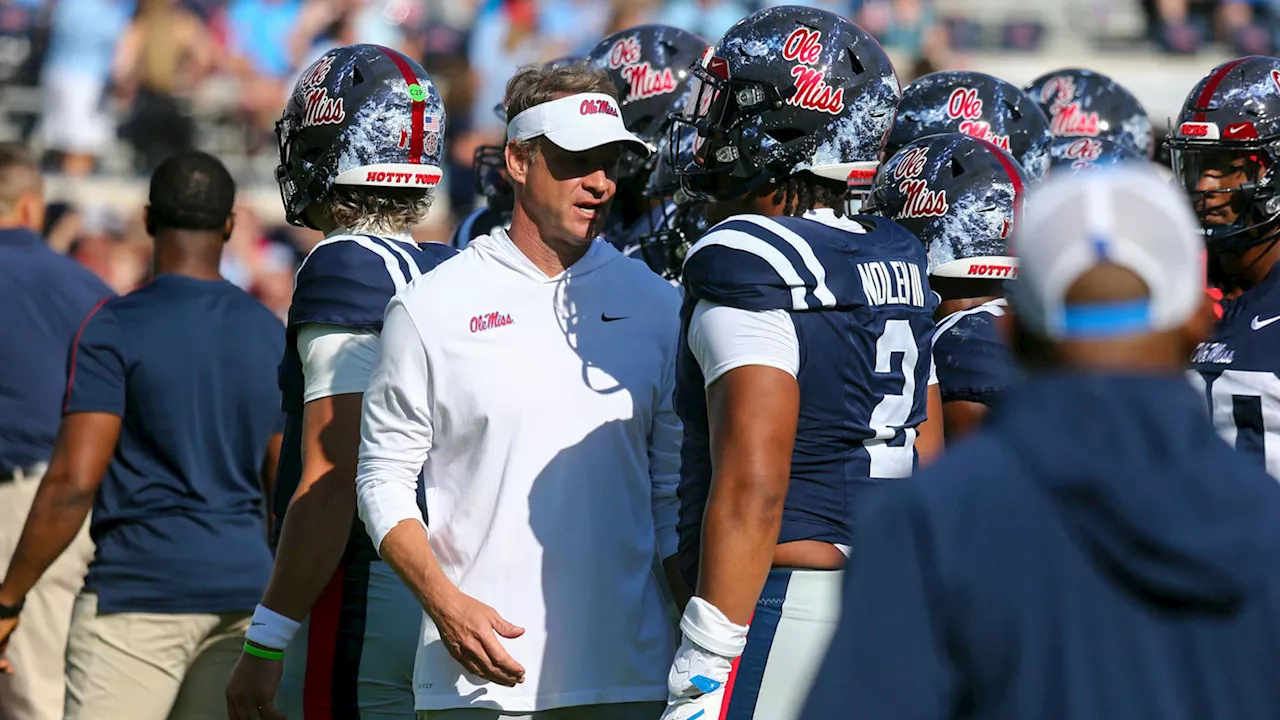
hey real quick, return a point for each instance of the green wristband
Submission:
(256, 651)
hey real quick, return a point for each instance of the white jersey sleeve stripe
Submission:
(414, 271)
(393, 265)
(738, 240)
(820, 291)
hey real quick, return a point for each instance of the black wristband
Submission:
(8, 612)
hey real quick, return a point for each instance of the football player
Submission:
(649, 65)
(1223, 149)
(962, 197)
(804, 370)
(979, 105)
(1086, 104)
(1084, 154)
(360, 148)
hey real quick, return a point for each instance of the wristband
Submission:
(271, 629)
(706, 626)
(264, 654)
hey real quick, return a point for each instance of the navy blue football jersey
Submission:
(1238, 371)
(858, 295)
(971, 358)
(481, 221)
(346, 280)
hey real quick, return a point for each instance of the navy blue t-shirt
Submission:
(179, 522)
(44, 297)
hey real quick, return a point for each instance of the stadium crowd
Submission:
(765, 381)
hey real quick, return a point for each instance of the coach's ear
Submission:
(519, 158)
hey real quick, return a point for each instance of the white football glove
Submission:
(695, 684)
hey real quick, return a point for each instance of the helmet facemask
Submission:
(1232, 188)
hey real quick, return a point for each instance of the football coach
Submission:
(530, 380)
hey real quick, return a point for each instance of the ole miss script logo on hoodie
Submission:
(488, 321)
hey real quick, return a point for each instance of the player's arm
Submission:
(336, 365)
(962, 417)
(82, 451)
(267, 474)
(396, 437)
(930, 436)
(749, 361)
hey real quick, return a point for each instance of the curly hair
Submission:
(381, 210)
(804, 191)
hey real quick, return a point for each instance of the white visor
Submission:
(577, 123)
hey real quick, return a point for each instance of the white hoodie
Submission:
(540, 412)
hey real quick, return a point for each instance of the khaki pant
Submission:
(149, 666)
(35, 691)
(618, 711)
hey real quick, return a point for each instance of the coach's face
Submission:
(566, 194)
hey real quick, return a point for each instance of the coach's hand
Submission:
(6, 631)
(251, 693)
(469, 629)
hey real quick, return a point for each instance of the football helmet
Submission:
(786, 89)
(361, 115)
(1224, 149)
(650, 66)
(979, 105)
(1082, 154)
(1083, 103)
(961, 196)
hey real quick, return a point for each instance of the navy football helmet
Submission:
(961, 196)
(979, 105)
(1225, 148)
(1083, 154)
(1083, 103)
(362, 115)
(787, 89)
(650, 66)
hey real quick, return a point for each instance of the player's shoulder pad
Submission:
(347, 280)
(973, 362)
(797, 264)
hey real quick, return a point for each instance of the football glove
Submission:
(696, 682)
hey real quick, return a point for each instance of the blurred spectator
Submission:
(325, 24)
(708, 18)
(630, 13)
(165, 52)
(572, 27)
(76, 120)
(24, 33)
(504, 37)
(258, 39)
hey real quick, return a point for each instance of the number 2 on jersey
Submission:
(893, 412)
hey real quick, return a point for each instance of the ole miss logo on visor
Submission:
(597, 107)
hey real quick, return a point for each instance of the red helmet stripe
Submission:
(419, 106)
(1211, 86)
(1014, 177)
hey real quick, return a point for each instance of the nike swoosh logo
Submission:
(1233, 129)
(1257, 324)
(253, 624)
(606, 318)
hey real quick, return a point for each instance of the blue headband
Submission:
(1106, 319)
